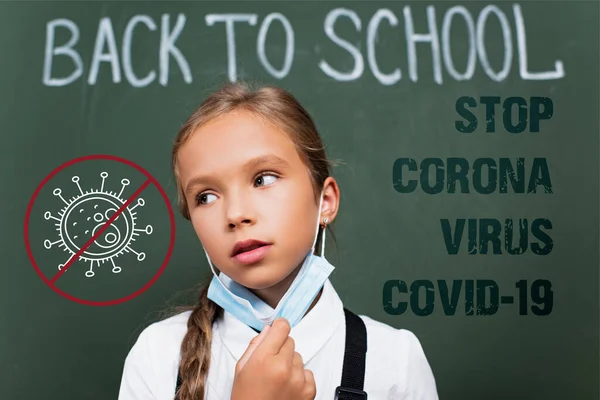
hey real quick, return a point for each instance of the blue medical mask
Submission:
(252, 311)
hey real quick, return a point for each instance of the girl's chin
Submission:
(262, 278)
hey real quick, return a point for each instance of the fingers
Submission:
(252, 346)
(308, 375)
(298, 362)
(297, 374)
(310, 384)
(277, 337)
(287, 350)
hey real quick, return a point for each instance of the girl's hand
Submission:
(270, 369)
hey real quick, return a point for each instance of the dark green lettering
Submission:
(469, 297)
(536, 231)
(482, 285)
(508, 173)
(509, 236)
(429, 297)
(397, 175)
(486, 236)
(449, 303)
(522, 114)
(537, 115)
(460, 175)
(492, 175)
(453, 241)
(388, 305)
(540, 175)
(472, 234)
(490, 111)
(439, 175)
(461, 109)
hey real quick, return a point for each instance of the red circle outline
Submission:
(100, 157)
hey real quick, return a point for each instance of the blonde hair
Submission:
(278, 107)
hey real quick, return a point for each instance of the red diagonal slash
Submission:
(76, 256)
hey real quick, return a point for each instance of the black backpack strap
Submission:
(355, 354)
(353, 371)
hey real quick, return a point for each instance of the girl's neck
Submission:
(272, 295)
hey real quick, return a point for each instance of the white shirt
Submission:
(396, 367)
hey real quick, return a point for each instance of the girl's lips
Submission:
(252, 256)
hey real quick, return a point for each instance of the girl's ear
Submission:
(331, 200)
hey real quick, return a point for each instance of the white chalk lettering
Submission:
(289, 45)
(446, 43)
(413, 38)
(126, 52)
(230, 20)
(506, 37)
(384, 79)
(559, 71)
(167, 47)
(65, 50)
(359, 64)
(105, 36)
(420, 32)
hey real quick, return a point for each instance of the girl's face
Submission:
(244, 179)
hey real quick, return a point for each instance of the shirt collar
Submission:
(309, 335)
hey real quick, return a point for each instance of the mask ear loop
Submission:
(212, 268)
(314, 244)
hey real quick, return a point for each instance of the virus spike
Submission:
(75, 180)
(48, 244)
(57, 192)
(147, 230)
(140, 256)
(48, 216)
(103, 175)
(124, 182)
(90, 272)
(68, 259)
(115, 269)
(140, 202)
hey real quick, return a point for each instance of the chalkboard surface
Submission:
(469, 213)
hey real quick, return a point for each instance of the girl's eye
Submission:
(202, 198)
(265, 180)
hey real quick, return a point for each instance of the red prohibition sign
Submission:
(150, 180)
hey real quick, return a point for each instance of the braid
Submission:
(195, 348)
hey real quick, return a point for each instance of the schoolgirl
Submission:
(254, 181)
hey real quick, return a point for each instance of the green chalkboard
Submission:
(469, 210)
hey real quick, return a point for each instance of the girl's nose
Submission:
(239, 211)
